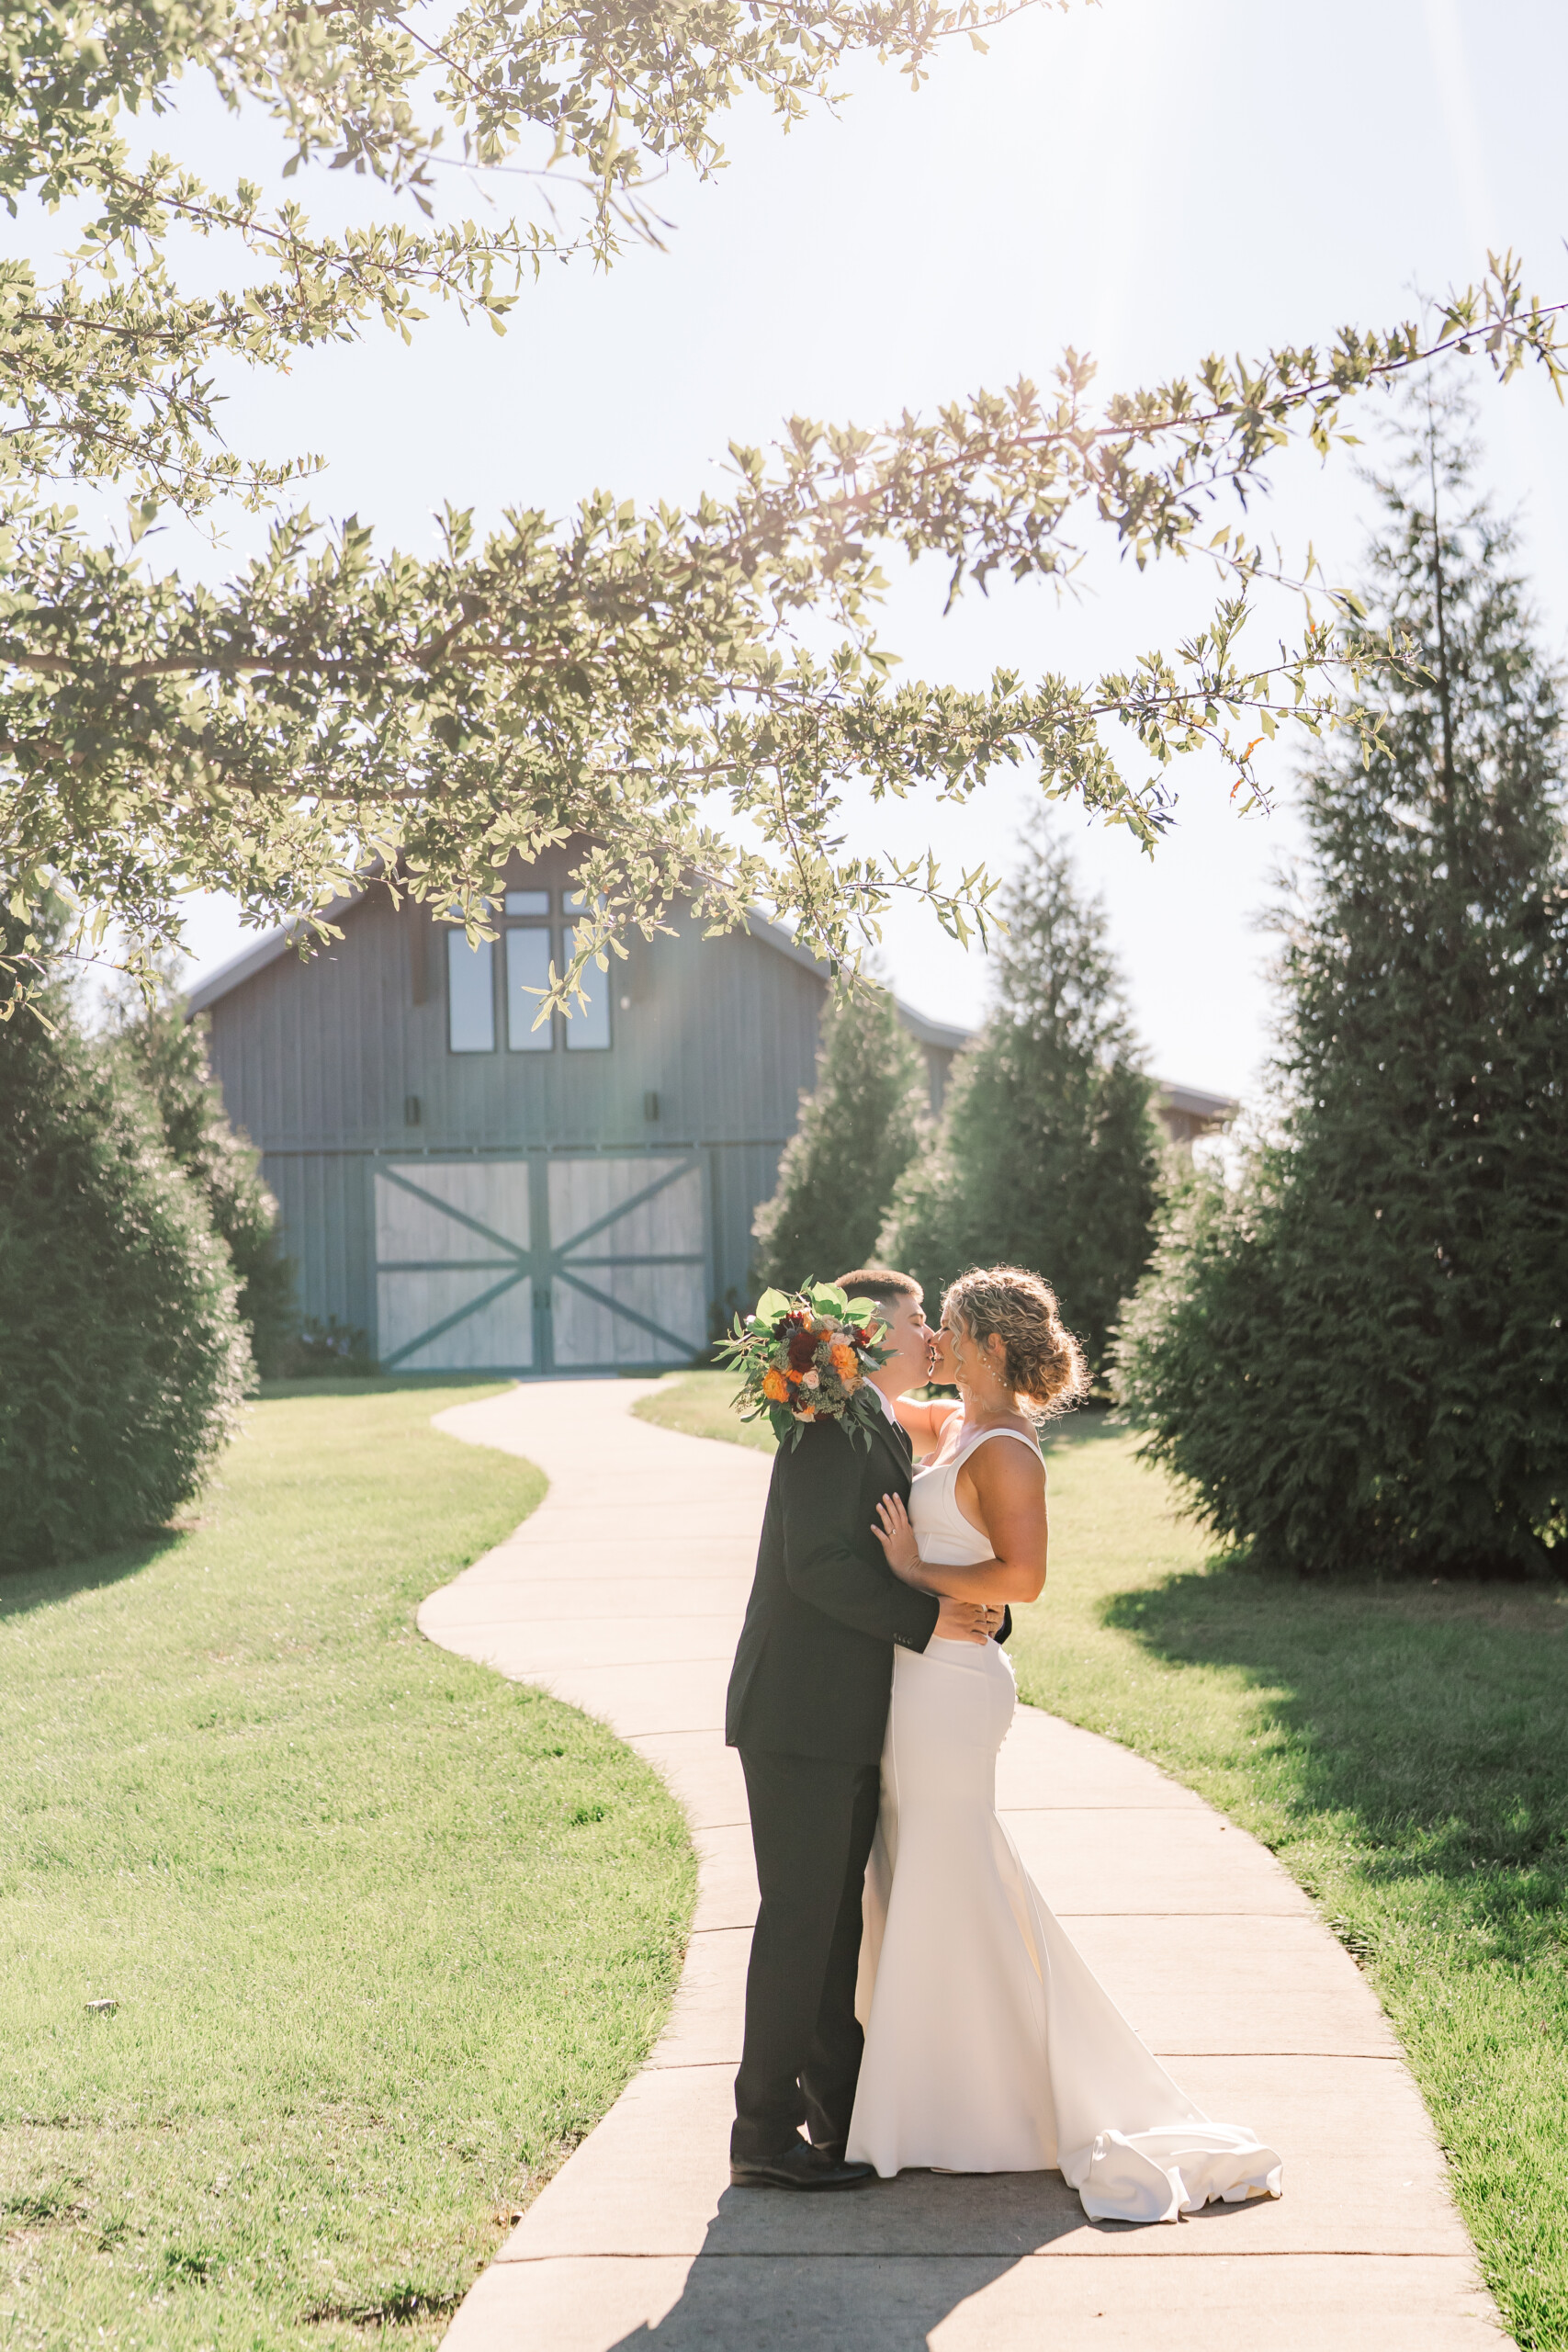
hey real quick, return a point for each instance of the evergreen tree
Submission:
(169, 1054)
(1047, 1155)
(1358, 1358)
(857, 1133)
(122, 1360)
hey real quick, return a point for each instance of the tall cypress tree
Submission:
(857, 1133)
(1358, 1358)
(1047, 1154)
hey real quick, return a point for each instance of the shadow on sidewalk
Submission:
(872, 2270)
(851, 2304)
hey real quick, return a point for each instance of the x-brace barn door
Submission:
(628, 1260)
(541, 1263)
(454, 1266)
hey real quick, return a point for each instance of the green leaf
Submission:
(772, 1308)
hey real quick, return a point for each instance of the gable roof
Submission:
(267, 949)
(924, 1031)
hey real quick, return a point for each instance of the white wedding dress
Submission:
(990, 2045)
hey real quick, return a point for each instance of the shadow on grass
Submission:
(22, 1589)
(26, 1589)
(1426, 1727)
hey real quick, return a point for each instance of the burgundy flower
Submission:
(802, 1348)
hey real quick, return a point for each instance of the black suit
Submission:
(807, 1708)
(814, 1665)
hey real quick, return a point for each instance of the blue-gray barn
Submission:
(475, 1192)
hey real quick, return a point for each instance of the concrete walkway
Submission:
(623, 1594)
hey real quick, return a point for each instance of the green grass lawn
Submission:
(387, 1934)
(1402, 1748)
(697, 1404)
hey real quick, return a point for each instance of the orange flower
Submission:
(775, 1387)
(842, 1358)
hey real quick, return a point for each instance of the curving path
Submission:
(623, 1594)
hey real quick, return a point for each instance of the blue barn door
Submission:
(541, 1263)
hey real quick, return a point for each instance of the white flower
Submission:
(812, 1379)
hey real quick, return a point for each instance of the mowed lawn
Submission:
(386, 1934)
(1402, 1748)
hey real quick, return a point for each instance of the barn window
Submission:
(470, 995)
(528, 902)
(589, 1028)
(527, 972)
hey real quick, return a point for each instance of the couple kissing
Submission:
(911, 2000)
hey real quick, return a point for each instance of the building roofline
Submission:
(1195, 1101)
(924, 1031)
(259, 955)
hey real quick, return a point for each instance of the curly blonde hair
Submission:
(1043, 1363)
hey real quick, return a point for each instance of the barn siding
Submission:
(742, 1175)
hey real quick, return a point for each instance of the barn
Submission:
(473, 1192)
(477, 1193)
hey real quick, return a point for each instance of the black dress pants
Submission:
(812, 1823)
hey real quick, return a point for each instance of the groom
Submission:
(807, 1708)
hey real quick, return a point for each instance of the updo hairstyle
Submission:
(1043, 1364)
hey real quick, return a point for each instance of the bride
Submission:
(1047, 2072)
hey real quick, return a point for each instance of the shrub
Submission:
(324, 1351)
(122, 1359)
(1047, 1155)
(170, 1056)
(857, 1133)
(1358, 1359)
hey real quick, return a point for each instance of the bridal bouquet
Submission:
(803, 1357)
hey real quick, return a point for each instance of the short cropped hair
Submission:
(881, 1283)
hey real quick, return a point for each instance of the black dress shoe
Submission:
(800, 2167)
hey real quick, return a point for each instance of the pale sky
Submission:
(1145, 180)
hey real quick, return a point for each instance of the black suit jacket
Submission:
(814, 1665)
